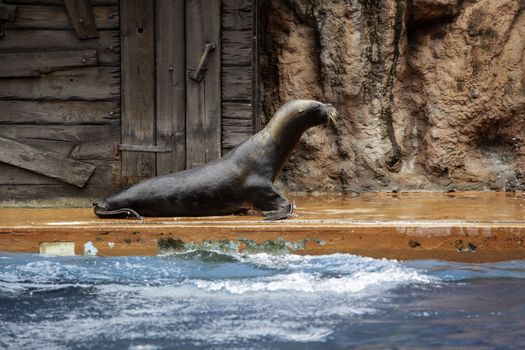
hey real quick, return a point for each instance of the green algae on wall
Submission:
(244, 245)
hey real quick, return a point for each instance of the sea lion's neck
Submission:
(282, 135)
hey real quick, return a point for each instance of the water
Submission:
(211, 300)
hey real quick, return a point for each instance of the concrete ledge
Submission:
(469, 227)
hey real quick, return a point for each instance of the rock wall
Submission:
(430, 93)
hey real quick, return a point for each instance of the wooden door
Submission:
(203, 88)
(171, 107)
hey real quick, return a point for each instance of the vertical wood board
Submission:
(256, 105)
(238, 71)
(203, 100)
(171, 103)
(138, 87)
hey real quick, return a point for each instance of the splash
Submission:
(202, 298)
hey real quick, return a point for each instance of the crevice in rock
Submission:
(371, 14)
(393, 162)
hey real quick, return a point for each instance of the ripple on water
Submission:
(203, 298)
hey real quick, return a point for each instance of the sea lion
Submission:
(240, 180)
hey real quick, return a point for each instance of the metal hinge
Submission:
(117, 147)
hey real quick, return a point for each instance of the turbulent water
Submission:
(213, 300)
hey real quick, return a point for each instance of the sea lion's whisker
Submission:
(332, 116)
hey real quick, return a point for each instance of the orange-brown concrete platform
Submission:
(470, 227)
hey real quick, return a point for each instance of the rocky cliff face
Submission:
(430, 93)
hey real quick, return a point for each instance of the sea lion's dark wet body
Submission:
(240, 180)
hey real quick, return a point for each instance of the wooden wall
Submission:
(60, 92)
(238, 67)
(60, 95)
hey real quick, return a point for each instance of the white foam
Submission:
(343, 263)
(143, 347)
(287, 298)
(260, 328)
(313, 283)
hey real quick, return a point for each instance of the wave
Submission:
(207, 297)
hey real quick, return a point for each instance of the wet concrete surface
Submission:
(473, 227)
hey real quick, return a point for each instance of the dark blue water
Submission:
(215, 301)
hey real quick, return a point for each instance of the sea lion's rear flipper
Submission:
(273, 205)
(122, 213)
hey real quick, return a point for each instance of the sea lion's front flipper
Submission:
(273, 205)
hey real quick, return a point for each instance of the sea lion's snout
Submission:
(331, 113)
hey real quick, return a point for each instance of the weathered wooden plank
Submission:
(237, 125)
(237, 83)
(32, 64)
(38, 192)
(107, 45)
(58, 112)
(7, 12)
(78, 84)
(55, 17)
(236, 48)
(237, 111)
(203, 107)
(231, 139)
(171, 103)
(82, 19)
(143, 148)
(44, 162)
(58, 2)
(107, 173)
(80, 142)
(138, 87)
(237, 15)
(234, 6)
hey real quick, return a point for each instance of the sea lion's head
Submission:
(305, 114)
